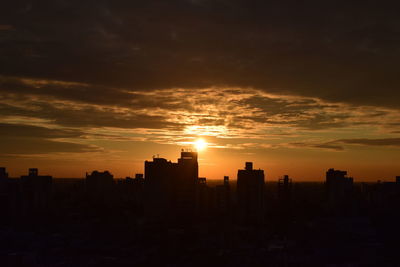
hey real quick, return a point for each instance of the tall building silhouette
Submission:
(3, 179)
(284, 205)
(284, 190)
(186, 184)
(99, 184)
(5, 193)
(133, 190)
(170, 188)
(36, 191)
(250, 194)
(204, 199)
(339, 188)
(3, 173)
(223, 197)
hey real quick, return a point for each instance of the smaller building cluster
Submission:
(173, 192)
(169, 213)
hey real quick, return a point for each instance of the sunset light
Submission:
(200, 144)
(192, 132)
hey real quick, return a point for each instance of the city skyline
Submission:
(201, 145)
(199, 133)
(295, 88)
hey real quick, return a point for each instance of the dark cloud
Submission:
(68, 91)
(342, 51)
(29, 131)
(328, 145)
(6, 27)
(11, 146)
(339, 144)
(300, 113)
(372, 142)
(25, 139)
(88, 116)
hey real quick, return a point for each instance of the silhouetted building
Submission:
(139, 177)
(284, 189)
(185, 186)
(339, 188)
(398, 179)
(284, 198)
(250, 194)
(3, 179)
(204, 198)
(35, 191)
(159, 175)
(8, 194)
(99, 184)
(170, 188)
(383, 195)
(223, 197)
(133, 189)
(3, 173)
(138, 180)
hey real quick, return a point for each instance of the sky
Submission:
(297, 87)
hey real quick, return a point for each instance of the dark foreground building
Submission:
(170, 188)
(250, 194)
(35, 192)
(99, 182)
(339, 189)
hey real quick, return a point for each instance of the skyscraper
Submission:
(99, 183)
(223, 198)
(339, 188)
(3, 179)
(36, 191)
(250, 194)
(170, 188)
(3, 173)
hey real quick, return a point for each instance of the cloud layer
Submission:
(336, 51)
(94, 77)
(231, 117)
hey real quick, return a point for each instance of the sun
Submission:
(200, 144)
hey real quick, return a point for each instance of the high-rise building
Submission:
(3, 173)
(4, 193)
(132, 191)
(204, 198)
(284, 197)
(250, 194)
(170, 188)
(99, 184)
(159, 175)
(3, 179)
(223, 197)
(36, 191)
(339, 187)
(284, 189)
(186, 184)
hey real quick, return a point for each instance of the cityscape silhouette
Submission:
(171, 216)
(277, 122)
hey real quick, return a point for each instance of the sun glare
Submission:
(200, 144)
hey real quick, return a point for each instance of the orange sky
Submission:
(282, 134)
(107, 84)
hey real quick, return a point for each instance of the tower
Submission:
(250, 193)
(170, 188)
